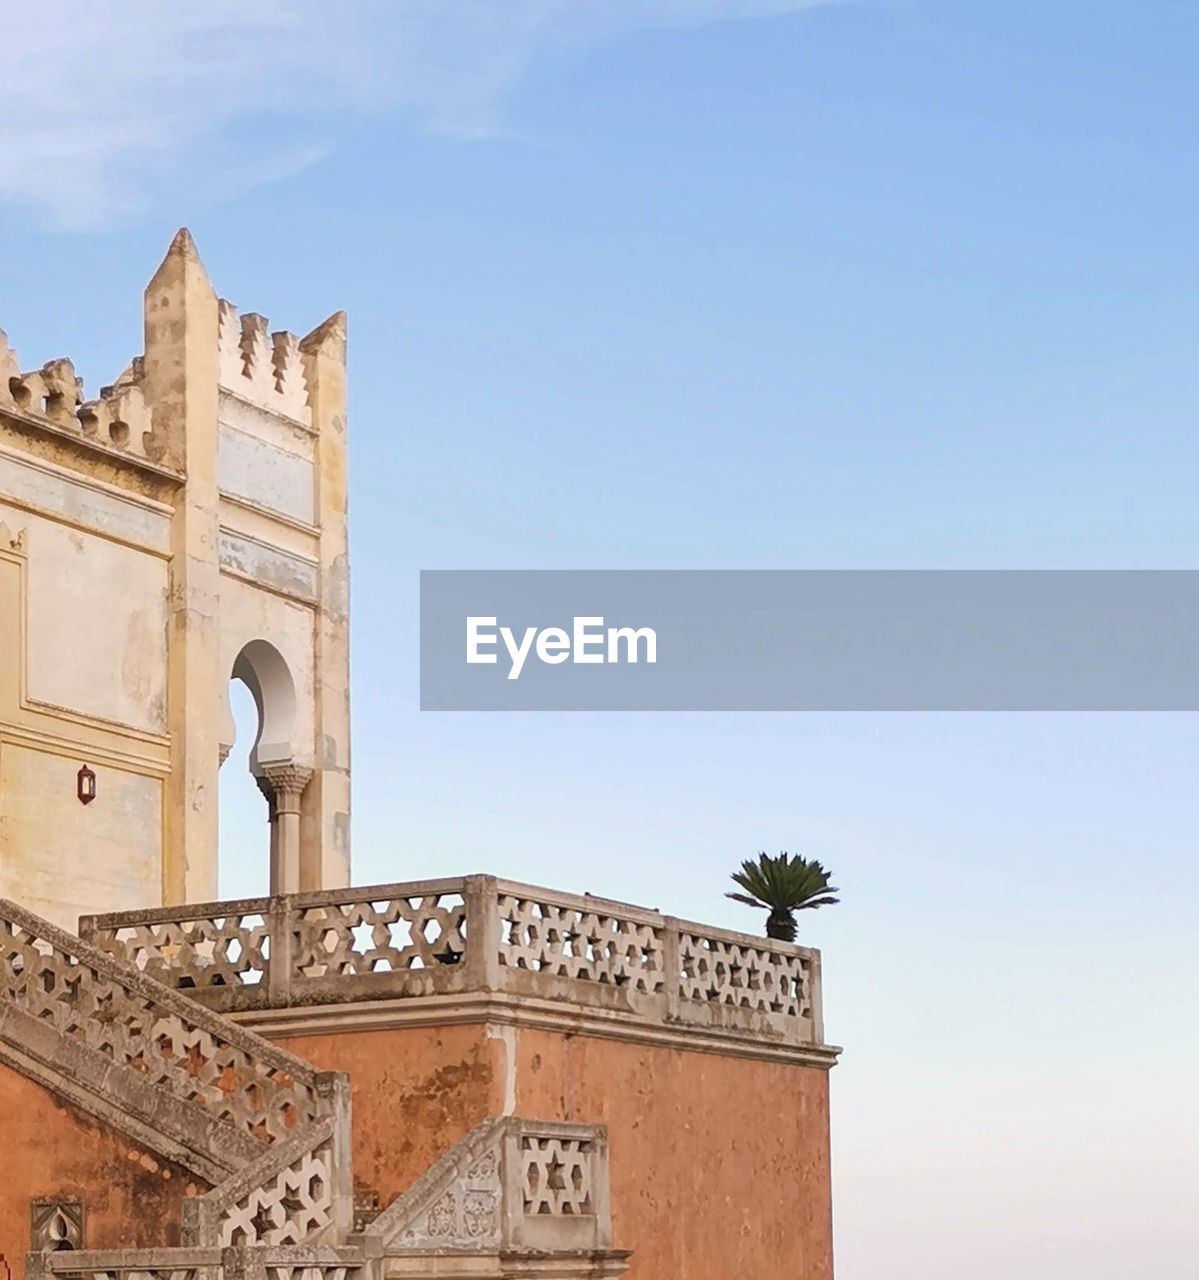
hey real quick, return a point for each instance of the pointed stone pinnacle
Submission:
(182, 260)
(328, 337)
(184, 245)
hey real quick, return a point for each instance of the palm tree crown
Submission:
(783, 886)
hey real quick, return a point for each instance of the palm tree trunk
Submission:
(780, 924)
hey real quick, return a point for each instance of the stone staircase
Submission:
(266, 1138)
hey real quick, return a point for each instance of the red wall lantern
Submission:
(85, 785)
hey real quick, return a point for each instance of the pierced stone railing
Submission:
(299, 1192)
(473, 934)
(112, 1009)
(264, 1128)
(509, 1184)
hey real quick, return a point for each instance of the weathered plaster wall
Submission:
(415, 1093)
(131, 1197)
(85, 501)
(59, 858)
(96, 625)
(82, 681)
(262, 465)
(719, 1164)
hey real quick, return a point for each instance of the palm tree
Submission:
(783, 886)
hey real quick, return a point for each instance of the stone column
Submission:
(268, 794)
(286, 783)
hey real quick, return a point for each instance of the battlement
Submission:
(135, 417)
(265, 369)
(118, 420)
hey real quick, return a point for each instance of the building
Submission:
(457, 1077)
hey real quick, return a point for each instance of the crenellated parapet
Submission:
(265, 369)
(119, 419)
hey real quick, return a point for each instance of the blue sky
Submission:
(705, 284)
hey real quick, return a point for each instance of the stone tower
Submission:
(186, 528)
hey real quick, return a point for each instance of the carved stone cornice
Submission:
(503, 1009)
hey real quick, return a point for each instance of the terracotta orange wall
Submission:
(131, 1197)
(414, 1093)
(719, 1165)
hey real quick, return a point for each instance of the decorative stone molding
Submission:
(465, 1215)
(366, 1208)
(56, 1224)
(267, 788)
(509, 1184)
(286, 781)
(11, 539)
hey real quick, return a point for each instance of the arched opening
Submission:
(258, 754)
(243, 868)
(263, 670)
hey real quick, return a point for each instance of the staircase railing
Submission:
(509, 1184)
(268, 1129)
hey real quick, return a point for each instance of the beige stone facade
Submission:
(185, 528)
(444, 1079)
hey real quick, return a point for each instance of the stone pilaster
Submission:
(325, 834)
(180, 384)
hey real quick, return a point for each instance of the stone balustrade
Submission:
(473, 935)
(269, 1132)
(244, 1087)
(299, 1192)
(515, 1197)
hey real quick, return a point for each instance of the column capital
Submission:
(286, 779)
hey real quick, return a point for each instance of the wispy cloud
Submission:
(105, 101)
